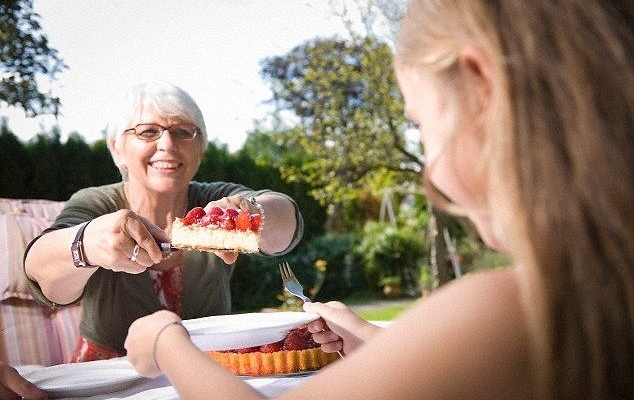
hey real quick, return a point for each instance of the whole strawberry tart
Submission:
(296, 353)
(219, 229)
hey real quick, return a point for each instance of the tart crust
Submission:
(281, 362)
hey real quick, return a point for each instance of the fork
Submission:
(292, 285)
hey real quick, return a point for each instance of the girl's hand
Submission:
(14, 386)
(339, 327)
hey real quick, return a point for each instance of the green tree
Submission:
(24, 56)
(15, 166)
(264, 155)
(45, 151)
(215, 164)
(75, 165)
(102, 166)
(347, 116)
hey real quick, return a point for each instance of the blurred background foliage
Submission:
(336, 141)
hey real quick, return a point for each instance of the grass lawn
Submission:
(383, 311)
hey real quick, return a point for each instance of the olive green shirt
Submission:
(113, 300)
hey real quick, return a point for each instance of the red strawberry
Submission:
(272, 347)
(256, 221)
(228, 224)
(194, 215)
(243, 221)
(216, 211)
(248, 350)
(231, 212)
(208, 219)
(298, 339)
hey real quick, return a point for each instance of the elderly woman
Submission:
(117, 270)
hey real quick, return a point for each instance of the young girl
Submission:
(526, 114)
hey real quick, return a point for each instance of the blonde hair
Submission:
(165, 99)
(561, 161)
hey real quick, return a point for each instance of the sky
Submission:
(210, 48)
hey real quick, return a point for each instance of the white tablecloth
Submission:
(96, 377)
(68, 377)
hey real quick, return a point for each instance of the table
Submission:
(82, 381)
(94, 380)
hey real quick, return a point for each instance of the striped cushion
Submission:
(31, 333)
(21, 221)
(47, 209)
(20, 229)
(36, 334)
(66, 325)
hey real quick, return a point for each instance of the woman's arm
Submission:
(108, 242)
(280, 222)
(49, 263)
(467, 341)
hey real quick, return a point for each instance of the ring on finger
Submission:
(135, 253)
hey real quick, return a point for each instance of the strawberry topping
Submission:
(228, 219)
(256, 221)
(296, 339)
(272, 347)
(194, 215)
(243, 221)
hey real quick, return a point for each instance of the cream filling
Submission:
(197, 236)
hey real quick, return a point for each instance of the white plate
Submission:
(227, 332)
(84, 379)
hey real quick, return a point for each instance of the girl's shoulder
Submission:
(481, 323)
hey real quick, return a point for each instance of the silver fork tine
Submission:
(284, 271)
(292, 285)
(288, 273)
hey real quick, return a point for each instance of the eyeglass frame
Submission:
(163, 129)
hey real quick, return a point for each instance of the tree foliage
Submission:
(346, 116)
(24, 56)
(15, 165)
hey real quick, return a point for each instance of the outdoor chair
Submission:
(31, 333)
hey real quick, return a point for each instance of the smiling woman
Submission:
(103, 248)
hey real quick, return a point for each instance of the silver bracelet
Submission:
(157, 337)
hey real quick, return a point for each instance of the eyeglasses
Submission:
(153, 132)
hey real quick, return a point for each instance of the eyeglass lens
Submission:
(153, 132)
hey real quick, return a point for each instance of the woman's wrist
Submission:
(77, 251)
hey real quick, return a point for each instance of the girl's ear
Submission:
(476, 67)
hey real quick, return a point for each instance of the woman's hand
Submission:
(14, 386)
(142, 342)
(110, 242)
(339, 328)
(236, 202)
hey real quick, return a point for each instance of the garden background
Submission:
(336, 141)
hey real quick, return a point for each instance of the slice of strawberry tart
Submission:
(220, 229)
